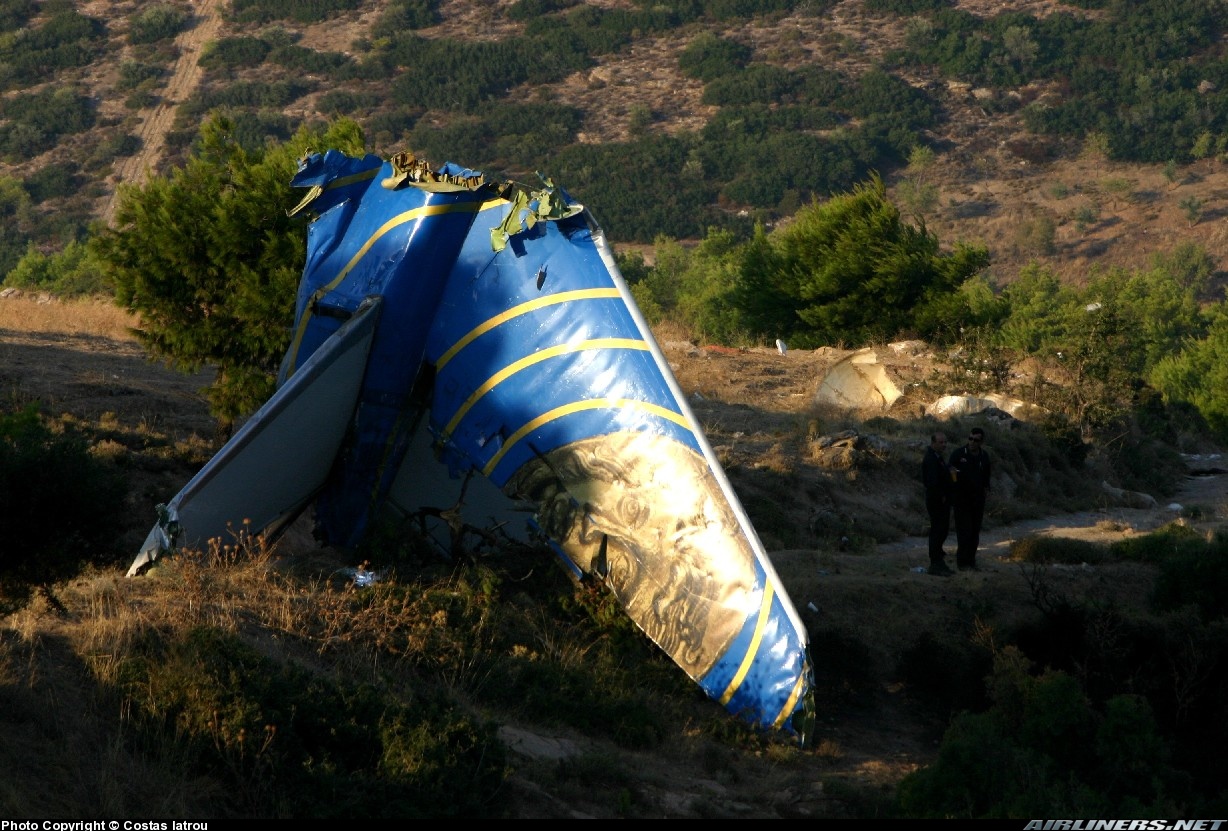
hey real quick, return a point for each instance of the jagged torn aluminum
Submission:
(508, 338)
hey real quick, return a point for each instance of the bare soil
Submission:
(757, 406)
(997, 185)
(155, 122)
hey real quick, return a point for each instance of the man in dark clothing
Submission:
(971, 470)
(937, 479)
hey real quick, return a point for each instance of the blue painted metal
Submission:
(506, 323)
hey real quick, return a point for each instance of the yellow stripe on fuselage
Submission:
(580, 406)
(523, 309)
(765, 613)
(787, 710)
(391, 224)
(343, 181)
(536, 358)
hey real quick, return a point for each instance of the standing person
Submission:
(971, 469)
(936, 477)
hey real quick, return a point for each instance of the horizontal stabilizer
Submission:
(268, 472)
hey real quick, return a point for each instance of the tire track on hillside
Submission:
(156, 122)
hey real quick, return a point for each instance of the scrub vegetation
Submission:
(289, 680)
(279, 679)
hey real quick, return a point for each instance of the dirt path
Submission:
(1205, 495)
(156, 122)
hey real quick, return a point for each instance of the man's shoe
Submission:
(970, 567)
(940, 570)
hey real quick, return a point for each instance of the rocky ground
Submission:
(759, 410)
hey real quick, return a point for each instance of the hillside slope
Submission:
(862, 599)
(1027, 198)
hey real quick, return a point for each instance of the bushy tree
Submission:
(853, 271)
(764, 295)
(709, 56)
(1044, 749)
(1157, 308)
(1107, 337)
(71, 272)
(694, 286)
(16, 216)
(209, 259)
(1198, 374)
(849, 270)
(154, 23)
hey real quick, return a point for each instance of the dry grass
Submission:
(74, 743)
(99, 316)
(78, 647)
(992, 184)
(68, 749)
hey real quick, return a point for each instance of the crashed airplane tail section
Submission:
(506, 367)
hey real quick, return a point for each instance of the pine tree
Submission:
(209, 259)
(856, 272)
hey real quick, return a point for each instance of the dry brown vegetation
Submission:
(64, 751)
(997, 184)
(29, 315)
(842, 523)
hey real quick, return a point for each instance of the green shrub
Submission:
(155, 23)
(465, 137)
(65, 40)
(16, 14)
(1195, 573)
(527, 10)
(118, 145)
(944, 674)
(340, 102)
(59, 506)
(462, 76)
(478, 630)
(1148, 465)
(297, 744)
(301, 59)
(1043, 749)
(302, 11)
(140, 100)
(730, 9)
(405, 15)
(665, 200)
(250, 94)
(53, 181)
(1196, 371)
(754, 84)
(132, 74)
(1173, 540)
(68, 273)
(906, 7)
(1085, 215)
(616, 708)
(233, 53)
(36, 120)
(1047, 550)
(710, 56)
